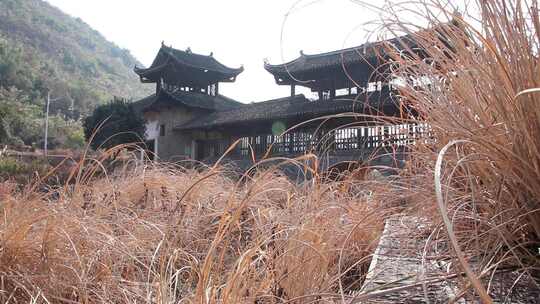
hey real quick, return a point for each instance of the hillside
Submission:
(43, 48)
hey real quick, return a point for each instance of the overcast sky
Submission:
(238, 32)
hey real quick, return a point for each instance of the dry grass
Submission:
(161, 234)
(158, 234)
(482, 162)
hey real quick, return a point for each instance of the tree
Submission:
(20, 120)
(114, 123)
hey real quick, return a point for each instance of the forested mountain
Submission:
(42, 48)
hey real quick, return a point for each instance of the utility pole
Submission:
(45, 144)
(47, 124)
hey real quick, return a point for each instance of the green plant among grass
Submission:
(22, 172)
(11, 167)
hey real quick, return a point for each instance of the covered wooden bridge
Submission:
(354, 90)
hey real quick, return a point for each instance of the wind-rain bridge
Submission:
(348, 120)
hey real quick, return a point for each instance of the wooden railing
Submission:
(334, 141)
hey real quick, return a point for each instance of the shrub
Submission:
(113, 124)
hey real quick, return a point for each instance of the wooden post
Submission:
(264, 142)
(360, 138)
(217, 88)
(293, 90)
(333, 90)
(291, 143)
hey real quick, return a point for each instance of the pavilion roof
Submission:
(338, 69)
(366, 54)
(179, 66)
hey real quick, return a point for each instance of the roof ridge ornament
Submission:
(188, 50)
(302, 53)
(211, 54)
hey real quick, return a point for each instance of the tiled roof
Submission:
(360, 54)
(168, 55)
(189, 99)
(283, 108)
(201, 61)
(142, 104)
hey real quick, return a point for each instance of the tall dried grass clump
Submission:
(477, 85)
(161, 234)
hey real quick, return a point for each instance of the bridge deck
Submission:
(398, 274)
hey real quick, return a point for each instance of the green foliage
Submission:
(22, 122)
(114, 123)
(75, 139)
(65, 133)
(42, 49)
(14, 71)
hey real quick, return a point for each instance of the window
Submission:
(342, 92)
(374, 86)
(212, 90)
(326, 95)
(161, 130)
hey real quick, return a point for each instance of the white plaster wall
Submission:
(152, 130)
